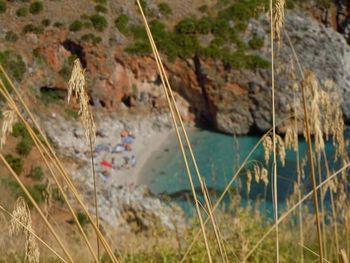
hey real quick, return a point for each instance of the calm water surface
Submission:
(218, 157)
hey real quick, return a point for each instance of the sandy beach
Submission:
(149, 134)
(143, 148)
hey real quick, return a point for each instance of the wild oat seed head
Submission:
(257, 173)
(76, 86)
(291, 138)
(268, 148)
(264, 176)
(21, 213)
(32, 253)
(249, 181)
(9, 119)
(278, 19)
(310, 84)
(281, 150)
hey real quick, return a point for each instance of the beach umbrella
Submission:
(106, 164)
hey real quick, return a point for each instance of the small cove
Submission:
(218, 157)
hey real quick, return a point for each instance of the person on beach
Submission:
(133, 161)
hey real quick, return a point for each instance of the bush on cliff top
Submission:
(121, 22)
(99, 22)
(36, 7)
(13, 64)
(3, 6)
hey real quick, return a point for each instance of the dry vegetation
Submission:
(230, 233)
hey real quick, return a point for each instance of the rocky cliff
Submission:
(209, 91)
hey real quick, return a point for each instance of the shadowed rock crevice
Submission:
(75, 49)
(52, 93)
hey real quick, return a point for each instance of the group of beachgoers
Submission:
(122, 159)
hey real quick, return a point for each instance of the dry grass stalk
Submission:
(77, 85)
(273, 26)
(25, 190)
(9, 120)
(228, 186)
(48, 197)
(291, 210)
(31, 232)
(177, 121)
(21, 213)
(48, 150)
(310, 81)
(343, 257)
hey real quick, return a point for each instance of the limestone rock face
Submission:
(239, 101)
(207, 91)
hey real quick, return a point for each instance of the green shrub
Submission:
(101, 9)
(36, 173)
(165, 9)
(139, 48)
(139, 32)
(58, 24)
(204, 25)
(99, 22)
(71, 114)
(204, 8)
(22, 11)
(187, 46)
(256, 42)
(82, 218)
(36, 7)
(241, 26)
(19, 130)
(76, 26)
(30, 28)
(121, 22)
(24, 147)
(221, 27)
(65, 72)
(186, 26)
(85, 17)
(255, 62)
(91, 38)
(46, 22)
(15, 163)
(37, 191)
(3, 6)
(87, 24)
(11, 36)
(103, 2)
(144, 6)
(52, 95)
(13, 63)
(242, 11)
(56, 195)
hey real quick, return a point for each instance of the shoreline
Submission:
(156, 143)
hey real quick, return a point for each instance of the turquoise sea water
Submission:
(218, 157)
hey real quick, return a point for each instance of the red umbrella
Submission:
(106, 164)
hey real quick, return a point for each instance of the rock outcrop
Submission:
(208, 92)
